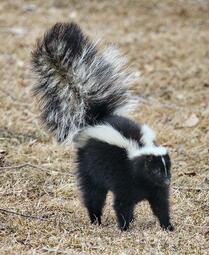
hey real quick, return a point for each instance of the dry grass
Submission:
(168, 41)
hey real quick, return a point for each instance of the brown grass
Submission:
(168, 41)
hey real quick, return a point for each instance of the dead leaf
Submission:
(23, 83)
(2, 151)
(192, 121)
(188, 174)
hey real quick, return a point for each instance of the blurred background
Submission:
(40, 208)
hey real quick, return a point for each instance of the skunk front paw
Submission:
(168, 227)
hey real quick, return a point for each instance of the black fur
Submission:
(103, 167)
(77, 87)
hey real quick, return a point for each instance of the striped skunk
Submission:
(83, 94)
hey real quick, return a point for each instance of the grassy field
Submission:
(41, 210)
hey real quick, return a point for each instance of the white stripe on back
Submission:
(107, 133)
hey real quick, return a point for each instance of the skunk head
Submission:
(155, 169)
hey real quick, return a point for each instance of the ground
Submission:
(41, 211)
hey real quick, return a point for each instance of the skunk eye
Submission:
(155, 171)
(149, 158)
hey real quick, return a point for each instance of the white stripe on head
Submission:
(106, 133)
(150, 150)
(166, 172)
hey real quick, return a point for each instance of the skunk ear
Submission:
(149, 158)
(139, 163)
(142, 158)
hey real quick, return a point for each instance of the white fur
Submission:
(86, 74)
(166, 171)
(150, 150)
(108, 134)
(126, 109)
(80, 83)
(148, 135)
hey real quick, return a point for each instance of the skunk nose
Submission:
(167, 181)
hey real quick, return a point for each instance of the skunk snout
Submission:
(167, 181)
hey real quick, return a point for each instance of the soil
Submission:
(41, 211)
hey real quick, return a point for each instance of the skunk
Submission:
(83, 95)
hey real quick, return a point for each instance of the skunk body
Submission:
(82, 95)
(104, 165)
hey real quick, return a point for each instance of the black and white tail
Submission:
(77, 85)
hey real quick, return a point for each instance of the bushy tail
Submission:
(77, 85)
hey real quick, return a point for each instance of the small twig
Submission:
(40, 218)
(25, 165)
(190, 188)
(22, 215)
(51, 170)
(5, 132)
(58, 251)
(195, 226)
(19, 103)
